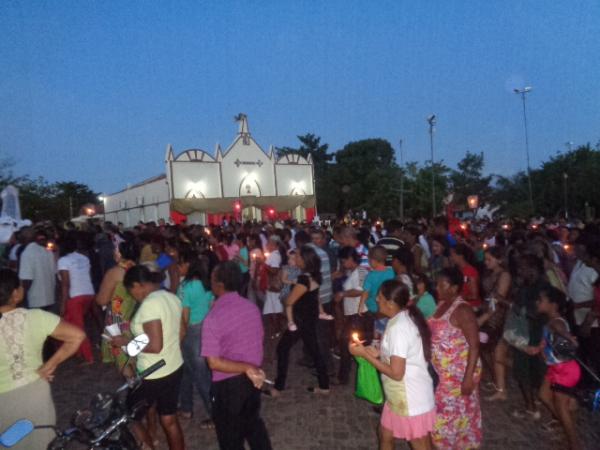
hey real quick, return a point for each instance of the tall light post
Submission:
(432, 121)
(401, 181)
(566, 179)
(569, 146)
(523, 92)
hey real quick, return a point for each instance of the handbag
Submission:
(368, 383)
(516, 327)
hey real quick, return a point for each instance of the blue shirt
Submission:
(245, 257)
(373, 282)
(193, 296)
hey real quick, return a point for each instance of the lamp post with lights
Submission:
(432, 120)
(523, 93)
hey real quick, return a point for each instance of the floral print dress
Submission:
(121, 309)
(458, 423)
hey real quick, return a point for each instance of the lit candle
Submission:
(355, 338)
(485, 246)
(567, 247)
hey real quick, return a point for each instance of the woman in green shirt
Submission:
(24, 388)
(423, 299)
(196, 299)
(243, 259)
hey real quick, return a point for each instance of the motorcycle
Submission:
(104, 425)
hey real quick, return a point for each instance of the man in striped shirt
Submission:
(347, 238)
(392, 240)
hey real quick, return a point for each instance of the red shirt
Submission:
(470, 274)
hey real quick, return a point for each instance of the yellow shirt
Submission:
(166, 307)
(22, 336)
(147, 255)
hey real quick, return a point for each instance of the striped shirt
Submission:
(392, 245)
(233, 330)
(363, 252)
(325, 289)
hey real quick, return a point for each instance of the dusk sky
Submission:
(93, 91)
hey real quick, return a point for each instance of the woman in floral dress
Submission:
(455, 357)
(120, 305)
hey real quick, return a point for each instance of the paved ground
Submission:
(299, 421)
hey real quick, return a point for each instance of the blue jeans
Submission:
(195, 373)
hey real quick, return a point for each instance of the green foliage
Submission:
(582, 169)
(468, 179)
(366, 177)
(418, 182)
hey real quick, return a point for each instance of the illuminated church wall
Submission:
(199, 184)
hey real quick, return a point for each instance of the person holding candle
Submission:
(409, 409)
(350, 298)
(256, 257)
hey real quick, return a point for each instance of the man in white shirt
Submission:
(77, 290)
(587, 310)
(581, 290)
(350, 296)
(37, 271)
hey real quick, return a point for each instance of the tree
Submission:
(367, 177)
(418, 182)
(511, 195)
(58, 202)
(581, 167)
(468, 179)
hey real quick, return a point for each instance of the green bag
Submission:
(368, 383)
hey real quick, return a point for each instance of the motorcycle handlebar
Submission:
(153, 368)
(138, 378)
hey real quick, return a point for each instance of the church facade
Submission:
(241, 183)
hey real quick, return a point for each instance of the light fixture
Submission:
(473, 201)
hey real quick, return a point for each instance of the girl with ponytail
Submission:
(409, 410)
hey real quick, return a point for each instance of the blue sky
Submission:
(93, 91)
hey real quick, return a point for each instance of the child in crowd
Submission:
(563, 371)
(423, 298)
(402, 263)
(256, 256)
(375, 278)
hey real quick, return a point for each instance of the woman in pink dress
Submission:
(455, 357)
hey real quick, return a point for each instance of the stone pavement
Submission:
(299, 421)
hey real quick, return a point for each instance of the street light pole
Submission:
(566, 179)
(432, 121)
(522, 93)
(401, 182)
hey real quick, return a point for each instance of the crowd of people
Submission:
(444, 313)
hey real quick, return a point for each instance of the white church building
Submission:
(241, 183)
